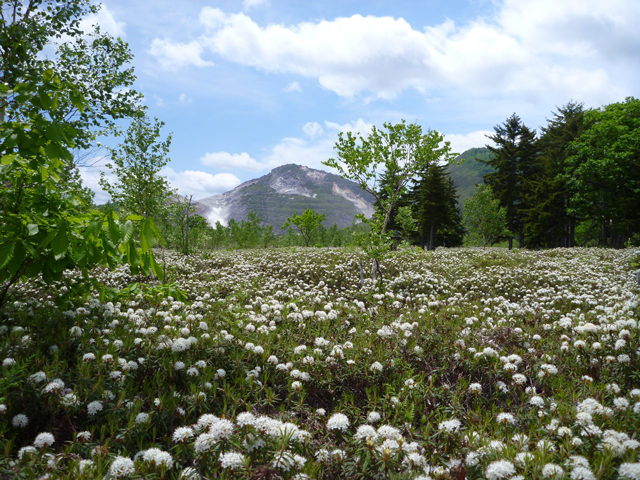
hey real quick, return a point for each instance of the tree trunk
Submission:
(431, 234)
(510, 243)
(186, 240)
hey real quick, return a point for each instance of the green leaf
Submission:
(134, 260)
(6, 253)
(114, 232)
(135, 218)
(156, 268)
(53, 133)
(16, 261)
(33, 229)
(45, 99)
(60, 243)
(77, 99)
(127, 231)
(8, 159)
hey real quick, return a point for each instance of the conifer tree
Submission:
(550, 220)
(515, 160)
(435, 203)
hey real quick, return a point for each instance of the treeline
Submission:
(189, 233)
(577, 182)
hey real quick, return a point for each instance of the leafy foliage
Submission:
(44, 227)
(484, 218)
(603, 173)
(513, 163)
(139, 188)
(306, 223)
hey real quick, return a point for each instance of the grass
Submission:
(476, 363)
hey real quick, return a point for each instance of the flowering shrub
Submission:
(277, 364)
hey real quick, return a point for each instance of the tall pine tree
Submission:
(549, 218)
(435, 205)
(514, 161)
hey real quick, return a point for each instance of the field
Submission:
(473, 363)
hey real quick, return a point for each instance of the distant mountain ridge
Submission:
(470, 172)
(287, 189)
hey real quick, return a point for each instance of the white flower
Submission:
(499, 469)
(551, 470)
(376, 367)
(373, 417)
(142, 418)
(321, 412)
(20, 421)
(182, 434)
(506, 418)
(450, 426)
(366, 432)
(630, 470)
(25, 450)
(475, 388)
(338, 421)
(122, 467)
(388, 432)
(536, 401)
(519, 379)
(94, 407)
(44, 440)
(245, 418)
(38, 377)
(232, 460)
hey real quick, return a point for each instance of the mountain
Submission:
(287, 189)
(470, 172)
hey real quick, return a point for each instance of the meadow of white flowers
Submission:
(276, 364)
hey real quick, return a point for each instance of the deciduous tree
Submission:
(306, 223)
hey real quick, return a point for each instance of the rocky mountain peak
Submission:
(288, 189)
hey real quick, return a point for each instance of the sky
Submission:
(244, 86)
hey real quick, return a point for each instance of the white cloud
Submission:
(184, 98)
(533, 48)
(247, 4)
(312, 129)
(358, 127)
(188, 182)
(234, 161)
(293, 87)
(90, 178)
(174, 55)
(200, 184)
(301, 152)
(463, 142)
(105, 20)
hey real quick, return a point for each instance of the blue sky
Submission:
(247, 85)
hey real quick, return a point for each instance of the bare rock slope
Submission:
(288, 189)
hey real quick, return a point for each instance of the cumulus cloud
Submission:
(293, 87)
(577, 48)
(175, 55)
(312, 129)
(463, 142)
(188, 182)
(234, 161)
(311, 150)
(105, 20)
(200, 184)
